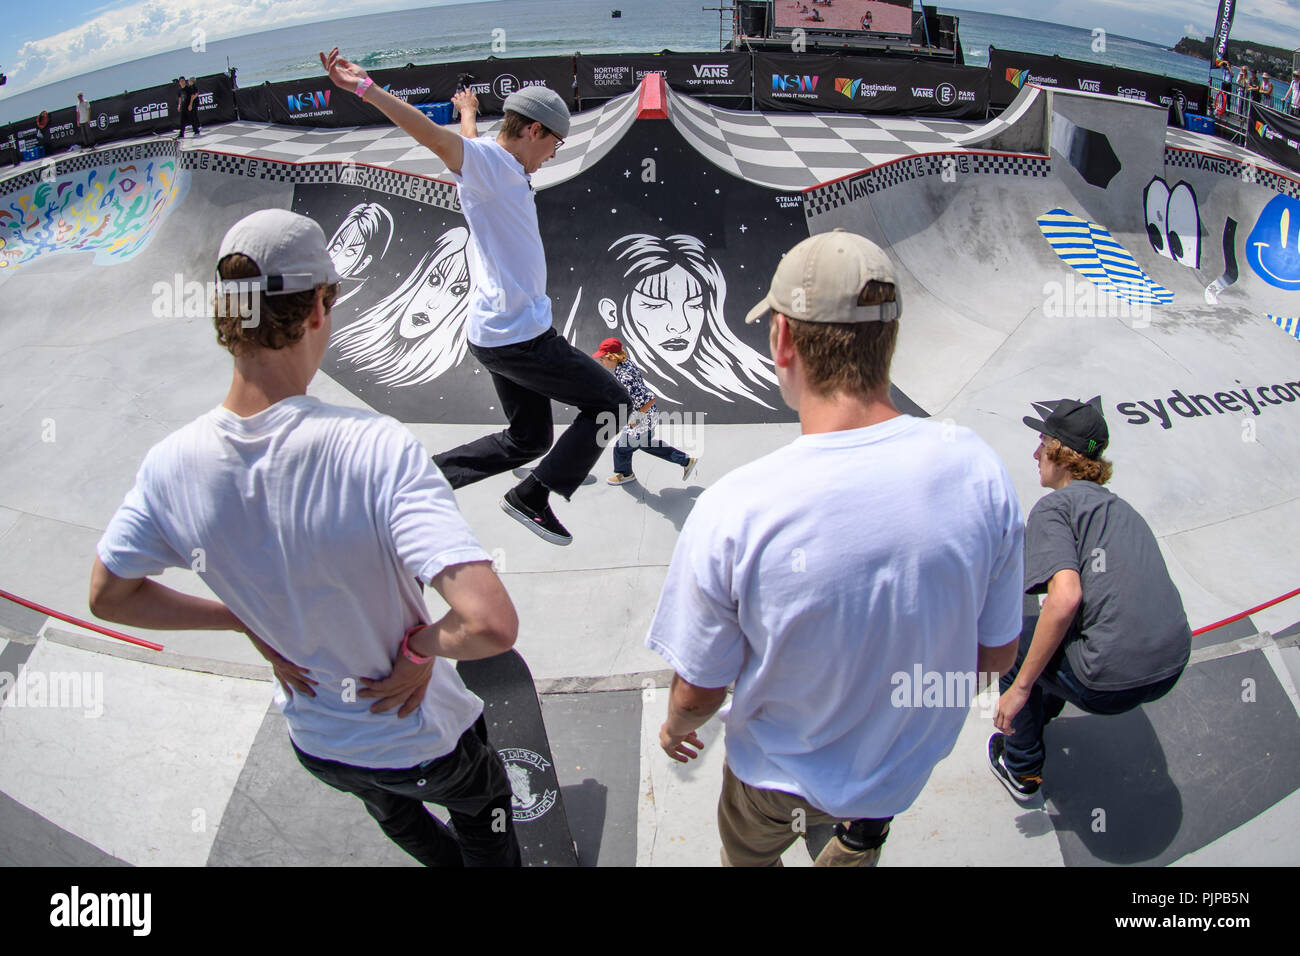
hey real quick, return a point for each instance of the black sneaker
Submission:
(1024, 788)
(542, 523)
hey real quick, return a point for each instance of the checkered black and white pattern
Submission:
(799, 150)
(591, 135)
(1243, 165)
(829, 196)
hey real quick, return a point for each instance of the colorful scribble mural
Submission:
(112, 211)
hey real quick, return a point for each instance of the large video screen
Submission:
(846, 16)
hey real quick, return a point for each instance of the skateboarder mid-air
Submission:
(510, 328)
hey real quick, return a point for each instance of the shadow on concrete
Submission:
(1112, 797)
(673, 503)
(585, 803)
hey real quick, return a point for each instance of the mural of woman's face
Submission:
(347, 250)
(668, 312)
(443, 290)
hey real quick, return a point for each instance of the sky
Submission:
(49, 40)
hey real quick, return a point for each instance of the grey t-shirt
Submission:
(1131, 629)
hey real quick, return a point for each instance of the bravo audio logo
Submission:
(317, 101)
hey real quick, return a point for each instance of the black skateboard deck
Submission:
(514, 719)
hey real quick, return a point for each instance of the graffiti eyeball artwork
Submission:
(417, 332)
(1173, 221)
(1273, 246)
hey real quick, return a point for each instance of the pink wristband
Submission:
(409, 654)
(362, 87)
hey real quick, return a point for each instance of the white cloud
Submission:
(117, 34)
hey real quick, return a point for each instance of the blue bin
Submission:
(33, 151)
(440, 113)
(1197, 123)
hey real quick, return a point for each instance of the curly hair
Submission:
(280, 318)
(1096, 470)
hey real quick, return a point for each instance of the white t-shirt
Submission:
(311, 523)
(815, 575)
(509, 303)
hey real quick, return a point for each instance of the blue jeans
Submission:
(470, 782)
(1057, 684)
(646, 442)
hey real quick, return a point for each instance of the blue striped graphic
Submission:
(1092, 251)
(1288, 324)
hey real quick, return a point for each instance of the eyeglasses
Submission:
(558, 142)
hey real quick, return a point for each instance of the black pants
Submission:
(470, 782)
(190, 118)
(527, 377)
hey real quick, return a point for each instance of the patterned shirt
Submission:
(629, 376)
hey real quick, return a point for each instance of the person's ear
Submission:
(781, 342)
(608, 311)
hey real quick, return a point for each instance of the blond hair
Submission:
(1081, 468)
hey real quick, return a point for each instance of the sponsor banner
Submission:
(855, 84)
(1274, 135)
(315, 101)
(1223, 27)
(9, 145)
(696, 74)
(1010, 71)
(156, 109)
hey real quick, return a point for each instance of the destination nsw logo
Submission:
(1017, 77)
(849, 87)
(316, 101)
(789, 83)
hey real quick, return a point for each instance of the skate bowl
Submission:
(1070, 248)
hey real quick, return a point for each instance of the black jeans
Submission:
(527, 377)
(190, 118)
(1025, 754)
(470, 782)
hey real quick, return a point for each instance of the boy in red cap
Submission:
(639, 434)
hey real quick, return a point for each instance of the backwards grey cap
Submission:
(543, 104)
(288, 249)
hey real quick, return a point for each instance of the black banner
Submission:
(1010, 70)
(1274, 135)
(855, 84)
(155, 109)
(1223, 27)
(9, 145)
(696, 74)
(315, 101)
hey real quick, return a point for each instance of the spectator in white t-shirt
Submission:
(317, 527)
(1292, 96)
(83, 121)
(832, 578)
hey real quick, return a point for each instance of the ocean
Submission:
(537, 28)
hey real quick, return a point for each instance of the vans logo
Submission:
(711, 71)
(923, 92)
(1090, 86)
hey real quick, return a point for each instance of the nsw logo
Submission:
(849, 87)
(308, 102)
(790, 83)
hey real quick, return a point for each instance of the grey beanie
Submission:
(542, 104)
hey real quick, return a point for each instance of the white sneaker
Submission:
(689, 468)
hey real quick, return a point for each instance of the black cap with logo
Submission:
(1076, 425)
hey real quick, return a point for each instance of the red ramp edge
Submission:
(653, 103)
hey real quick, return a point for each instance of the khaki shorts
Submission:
(757, 826)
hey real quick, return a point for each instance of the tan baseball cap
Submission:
(820, 279)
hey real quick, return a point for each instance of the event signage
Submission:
(1274, 135)
(1011, 71)
(859, 85)
(1223, 27)
(695, 74)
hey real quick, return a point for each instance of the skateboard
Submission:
(514, 718)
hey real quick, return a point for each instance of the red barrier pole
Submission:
(1238, 617)
(72, 620)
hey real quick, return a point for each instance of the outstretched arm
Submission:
(448, 146)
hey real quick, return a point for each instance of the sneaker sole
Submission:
(625, 481)
(686, 475)
(1019, 795)
(533, 526)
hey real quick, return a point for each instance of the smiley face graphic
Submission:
(1273, 247)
